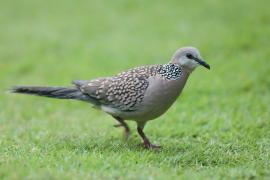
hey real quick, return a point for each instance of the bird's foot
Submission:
(149, 145)
(126, 135)
(118, 125)
(126, 131)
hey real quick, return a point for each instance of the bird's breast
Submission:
(160, 95)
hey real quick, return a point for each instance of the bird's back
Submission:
(139, 93)
(123, 92)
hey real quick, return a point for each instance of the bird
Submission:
(139, 94)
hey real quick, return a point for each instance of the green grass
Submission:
(218, 129)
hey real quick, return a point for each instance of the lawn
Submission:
(218, 129)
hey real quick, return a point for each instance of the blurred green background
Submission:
(219, 128)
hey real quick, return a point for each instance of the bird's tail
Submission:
(52, 92)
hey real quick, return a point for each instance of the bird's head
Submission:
(189, 57)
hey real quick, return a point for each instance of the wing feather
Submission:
(124, 91)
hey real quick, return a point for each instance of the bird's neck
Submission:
(170, 71)
(185, 68)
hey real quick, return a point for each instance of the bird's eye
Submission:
(189, 56)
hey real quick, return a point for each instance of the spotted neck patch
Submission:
(170, 71)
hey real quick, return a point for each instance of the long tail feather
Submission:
(52, 92)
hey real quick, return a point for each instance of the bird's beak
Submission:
(203, 63)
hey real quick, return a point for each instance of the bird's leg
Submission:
(147, 144)
(123, 124)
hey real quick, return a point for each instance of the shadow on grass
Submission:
(188, 153)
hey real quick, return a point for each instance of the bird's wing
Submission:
(124, 91)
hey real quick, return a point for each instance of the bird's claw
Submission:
(126, 131)
(118, 125)
(149, 145)
(126, 135)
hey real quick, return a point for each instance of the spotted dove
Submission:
(139, 94)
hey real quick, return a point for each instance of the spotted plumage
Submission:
(126, 90)
(139, 94)
(170, 71)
